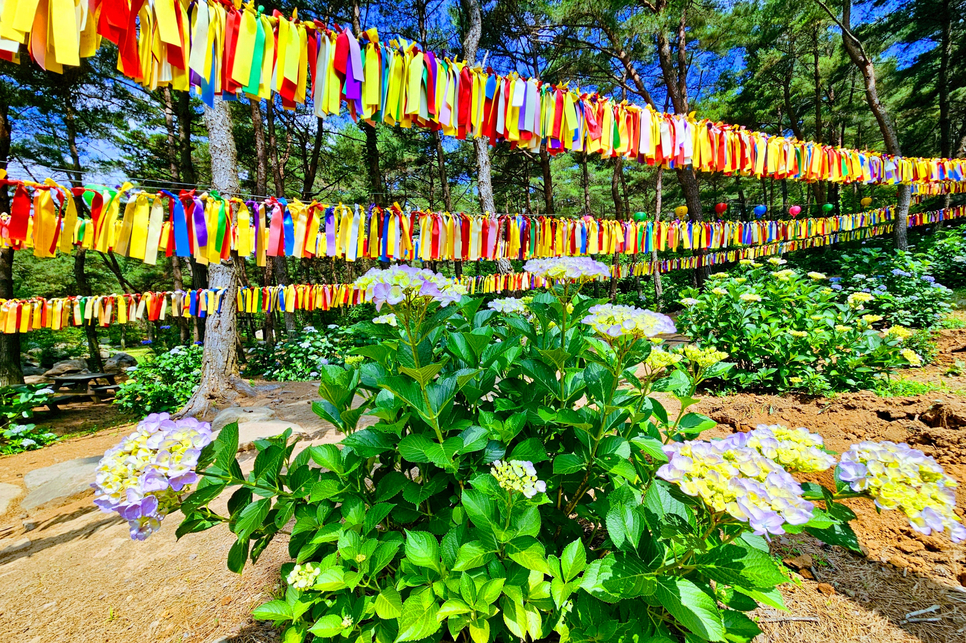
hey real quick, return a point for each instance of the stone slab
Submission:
(58, 484)
(249, 432)
(8, 493)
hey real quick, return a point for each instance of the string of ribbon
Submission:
(44, 217)
(23, 315)
(215, 48)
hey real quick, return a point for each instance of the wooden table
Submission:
(79, 386)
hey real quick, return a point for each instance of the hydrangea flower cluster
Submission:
(142, 477)
(856, 299)
(719, 291)
(794, 449)
(817, 276)
(659, 358)
(911, 356)
(899, 332)
(614, 320)
(577, 268)
(871, 319)
(518, 475)
(689, 301)
(704, 357)
(732, 477)
(899, 477)
(798, 333)
(354, 360)
(303, 577)
(389, 319)
(508, 305)
(750, 296)
(392, 285)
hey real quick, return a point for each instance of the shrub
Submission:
(301, 356)
(521, 483)
(905, 292)
(946, 253)
(163, 384)
(785, 330)
(18, 402)
(17, 438)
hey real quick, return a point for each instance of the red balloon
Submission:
(794, 210)
(720, 208)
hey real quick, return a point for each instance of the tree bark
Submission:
(585, 181)
(471, 42)
(308, 183)
(615, 192)
(280, 268)
(11, 371)
(547, 180)
(185, 117)
(220, 377)
(655, 273)
(261, 187)
(95, 363)
(945, 123)
(819, 186)
(859, 57)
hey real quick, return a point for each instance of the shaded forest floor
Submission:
(80, 565)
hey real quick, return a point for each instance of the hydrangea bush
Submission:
(17, 438)
(904, 290)
(301, 356)
(519, 482)
(162, 384)
(786, 330)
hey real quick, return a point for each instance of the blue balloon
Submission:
(760, 210)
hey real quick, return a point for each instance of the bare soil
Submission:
(72, 573)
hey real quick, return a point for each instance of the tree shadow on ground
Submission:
(17, 550)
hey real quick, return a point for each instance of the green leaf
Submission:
(452, 607)
(226, 446)
(772, 597)
(423, 375)
(375, 515)
(694, 609)
(418, 618)
(739, 628)
(327, 626)
(742, 566)
(369, 442)
(651, 447)
(480, 631)
(472, 555)
(274, 611)
(694, 423)
(630, 578)
(625, 525)
(530, 449)
(514, 616)
(528, 552)
(328, 456)
(415, 447)
(388, 603)
(840, 534)
(573, 560)
(252, 517)
(566, 464)
(238, 555)
(422, 549)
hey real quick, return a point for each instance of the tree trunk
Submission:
(585, 181)
(280, 268)
(819, 186)
(95, 363)
(220, 377)
(945, 123)
(864, 64)
(655, 273)
(185, 116)
(261, 187)
(547, 180)
(471, 42)
(308, 183)
(615, 192)
(11, 371)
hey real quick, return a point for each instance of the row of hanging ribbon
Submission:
(22, 315)
(208, 228)
(224, 49)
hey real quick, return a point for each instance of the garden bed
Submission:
(80, 564)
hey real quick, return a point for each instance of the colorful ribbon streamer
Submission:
(22, 315)
(218, 49)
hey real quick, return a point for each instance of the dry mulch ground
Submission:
(76, 576)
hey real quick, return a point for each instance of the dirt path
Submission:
(76, 576)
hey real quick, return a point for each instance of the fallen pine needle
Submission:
(921, 612)
(809, 619)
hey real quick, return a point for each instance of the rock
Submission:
(249, 432)
(57, 484)
(898, 562)
(8, 493)
(118, 362)
(806, 573)
(32, 370)
(68, 366)
(962, 578)
(825, 588)
(240, 415)
(910, 546)
(802, 561)
(29, 525)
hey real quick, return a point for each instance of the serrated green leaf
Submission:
(422, 549)
(528, 552)
(566, 464)
(370, 442)
(388, 603)
(327, 626)
(472, 555)
(273, 611)
(252, 517)
(418, 618)
(573, 560)
(743, 566)
(693, 609)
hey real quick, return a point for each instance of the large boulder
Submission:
(67, 367)
(58, 484)
(29, 369)
(118, 362)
